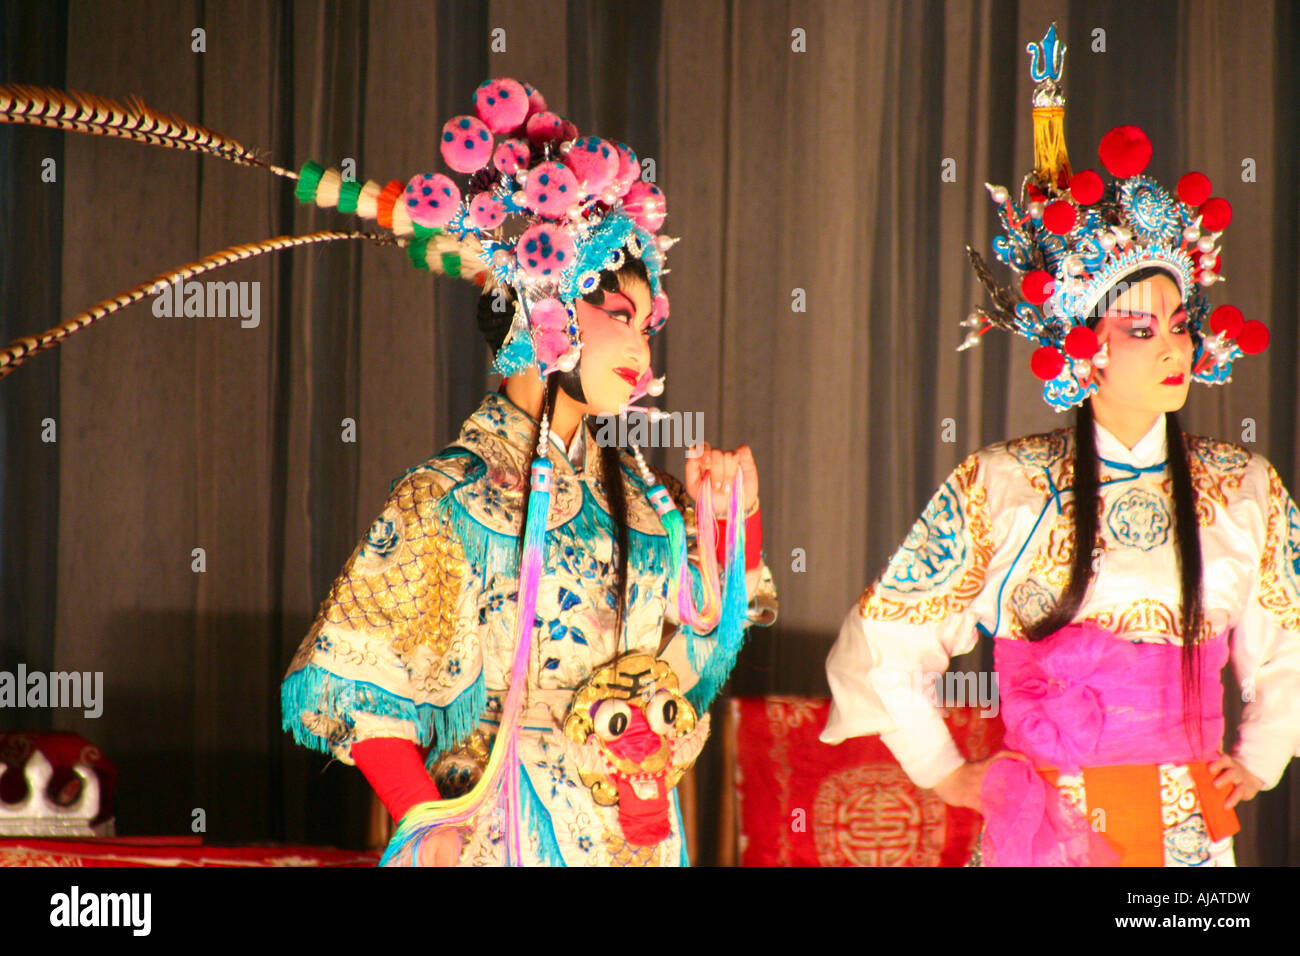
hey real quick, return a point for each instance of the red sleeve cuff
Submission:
(395, 770)
(753, 540)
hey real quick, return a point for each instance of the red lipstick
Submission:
(1174, 380)
(627, 375)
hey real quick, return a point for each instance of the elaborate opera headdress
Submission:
(1071, 237)
(543, 212)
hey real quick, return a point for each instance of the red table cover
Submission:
(169, 851)
(806, 803)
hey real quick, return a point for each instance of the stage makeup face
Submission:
(1150, 350)
(615, 346)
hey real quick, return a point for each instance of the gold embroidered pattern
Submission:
(1149, 618)
(1178, 800)
(959, 554)
(1216, 467)
(1279, 566)
(412, 599)
(1052, 561)
(622, 853)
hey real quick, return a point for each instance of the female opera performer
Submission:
(1117, 565)
(490, 656)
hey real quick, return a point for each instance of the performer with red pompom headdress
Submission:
(1106, 562)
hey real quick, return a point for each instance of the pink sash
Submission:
(1084, 698)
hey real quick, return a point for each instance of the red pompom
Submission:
(1037, 286)
(1086, 187)
(1253, 337)
(1216, 214)
(1047, 362)
(1059, 217)
(1081, 342)
(1194, 189)
(1125, 151)
(1227, 320)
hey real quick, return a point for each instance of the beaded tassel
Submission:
(500, 781)
(704, 616)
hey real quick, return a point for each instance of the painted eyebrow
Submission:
(619, 295)
(630, 306)
(1148, 318)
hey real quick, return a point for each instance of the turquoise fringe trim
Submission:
(316, 690)
(728, 636)
(540, 827)
(685, 859)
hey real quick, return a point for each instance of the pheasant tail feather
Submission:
(101, 116)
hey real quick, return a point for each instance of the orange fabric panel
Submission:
(1130, 798)
(1219, 820)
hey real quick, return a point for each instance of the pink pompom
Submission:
(551, 189)
(502, 104)
(511, 156)
(466, 144)
(487, 211)
(659, 310)
(431, 200)
(536, 102)
(546, 127)
(629, 168)
(646, 204)
(549, 315)
(594, 162)
(544, 250)
(550, 346)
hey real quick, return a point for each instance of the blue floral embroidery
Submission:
(558, 631)
(934, 549)
(453, 667)
(568, 599)
(584, 843)
(493, 607)
(323, 643)
(382, 539)
(1188, 843)
(1139, 519)
(1221, 455)
(1038, 451)
(1292, 562)
(559, 778)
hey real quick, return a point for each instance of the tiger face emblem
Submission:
(632, 736)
